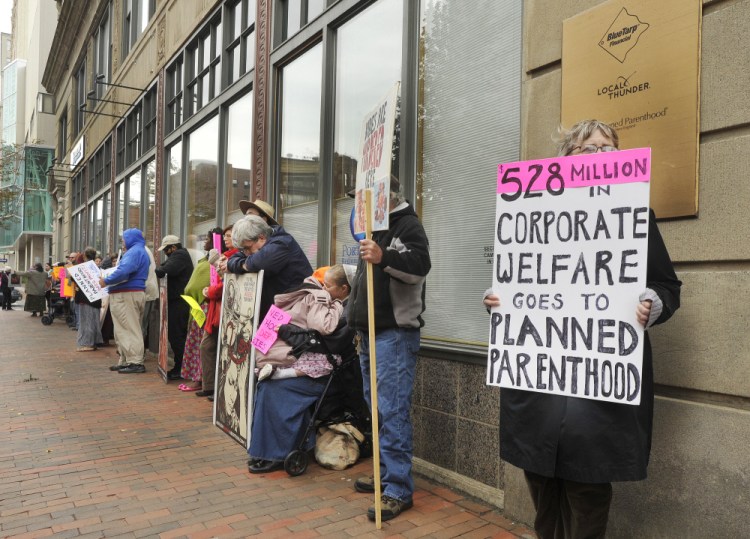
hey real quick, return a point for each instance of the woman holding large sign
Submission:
(572, 416)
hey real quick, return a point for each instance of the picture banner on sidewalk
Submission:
(163, 360)
(374, 161)
(235, 368)
(86, 276)
(571, 242)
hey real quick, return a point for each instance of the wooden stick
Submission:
(373, 366)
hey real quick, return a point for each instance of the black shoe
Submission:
(210, 398)
(117, 367)
(205, 393)
(265, 466)
(389, 508)
(365, 484)
(173, 376)
(132, 368)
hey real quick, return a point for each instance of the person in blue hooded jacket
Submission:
(127, 299)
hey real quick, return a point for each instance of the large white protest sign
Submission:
(571, 242)
(86, 276)
(374, 162)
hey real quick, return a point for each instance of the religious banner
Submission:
(374, 162)
(571, 242)
(235, 376)
(635, 64)
(86, 276)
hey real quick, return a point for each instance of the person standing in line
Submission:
(572, 449)
(178, 267)
(89, 328)
(5, 289)
(127, 298)
(36, 280)
(400, 261)
(152, 294)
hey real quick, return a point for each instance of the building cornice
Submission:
(68, 27)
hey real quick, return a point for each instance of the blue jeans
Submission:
(396, 354)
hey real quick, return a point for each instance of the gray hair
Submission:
(568, 139)
(250, 228)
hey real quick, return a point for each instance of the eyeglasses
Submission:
(248, 249)
(592, 148)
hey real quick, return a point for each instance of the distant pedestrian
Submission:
(36, 280)
(5, 288)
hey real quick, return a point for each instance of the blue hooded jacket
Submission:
(132, 271)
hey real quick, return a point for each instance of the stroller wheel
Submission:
(46, 320)
(295, 463)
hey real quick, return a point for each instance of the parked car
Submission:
(15, 295)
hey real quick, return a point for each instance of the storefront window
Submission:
(120, 211)
(456, 167)
(150, 201)
(173, 206)
(239, 176)
(300, 149)
(373, 38)
(134, 200)
(203, 144)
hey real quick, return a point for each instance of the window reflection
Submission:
(150, 179)
(203, 144)
(134, 200)
(173, 207)
(239, 167)
(368, 64)
(300, 149)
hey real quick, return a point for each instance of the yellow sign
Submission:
(636, 65)
(195, 310)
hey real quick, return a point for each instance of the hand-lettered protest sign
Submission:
(86, 276)
(571, 240)
(267, 334)
(374, 165)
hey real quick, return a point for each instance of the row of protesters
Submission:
(199, 281)
(127, 298)
(291, 372)
(209, 342)
(178, 267)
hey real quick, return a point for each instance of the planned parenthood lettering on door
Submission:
(571, 239)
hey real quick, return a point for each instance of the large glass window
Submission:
(299, 172)
(202, 175)
(457, 166)
(371, 38)
(297, 13)
(174, 95)
(135, 17)
(80, 97)
(134, 200)
(150, 202)
(204, 67)
(120, 208)
(102, 48)
(240, 39)
(239, 176)
(173, 199)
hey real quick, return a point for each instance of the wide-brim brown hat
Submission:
(263, 207)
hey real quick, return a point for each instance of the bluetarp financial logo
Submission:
(622, 35)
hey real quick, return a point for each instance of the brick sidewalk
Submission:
(85, 452)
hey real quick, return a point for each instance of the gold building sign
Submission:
(636, 65)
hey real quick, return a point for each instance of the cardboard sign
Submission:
(374, 162)
(635, 64)
(66, 288)
(86, 276)
(267, 334)
(571, 242)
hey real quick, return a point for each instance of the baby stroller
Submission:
(342, 399)
(57, 306)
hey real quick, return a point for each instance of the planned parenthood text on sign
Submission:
(571, 239)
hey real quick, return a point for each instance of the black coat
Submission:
(587, 440)
(178, 268)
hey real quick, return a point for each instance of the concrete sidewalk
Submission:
(85, 452)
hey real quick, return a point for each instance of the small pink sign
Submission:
(559, 173)
(266, 334)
